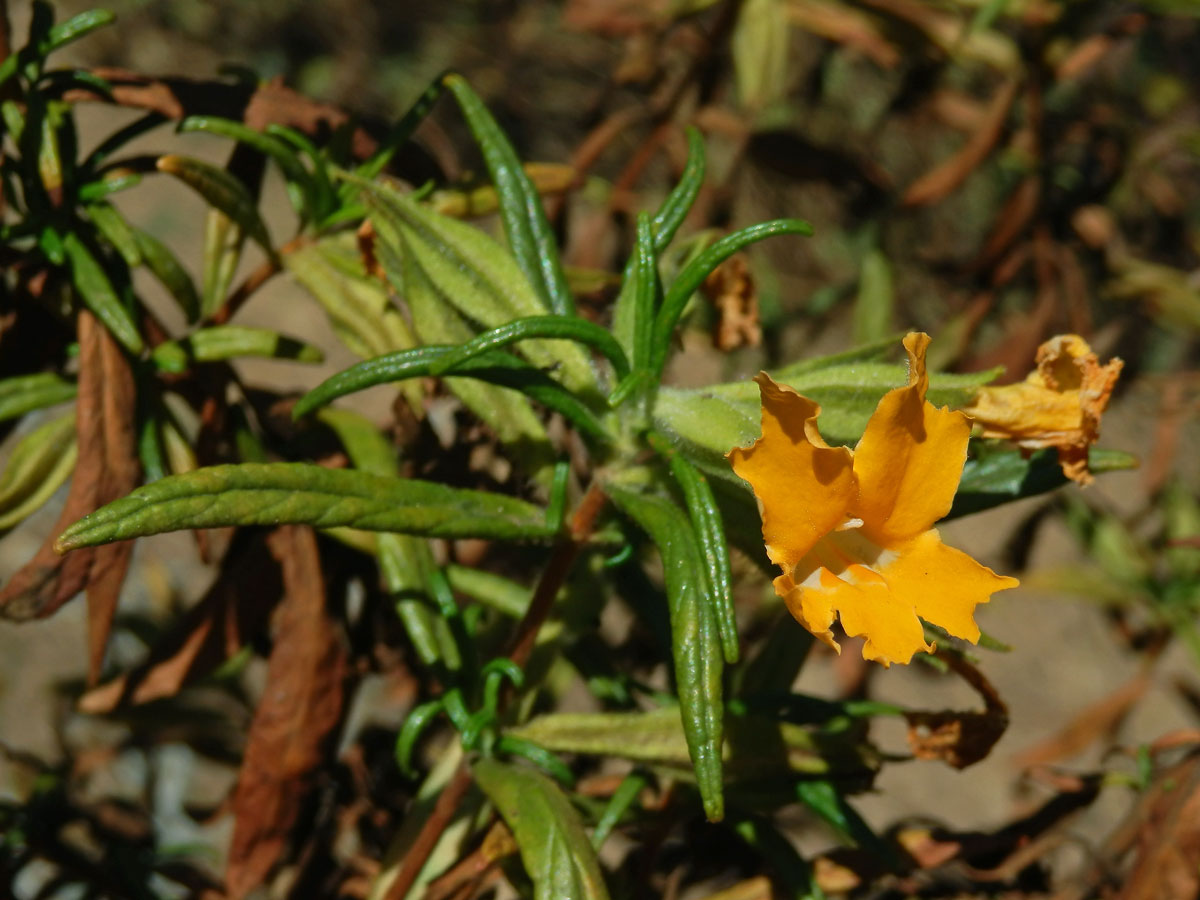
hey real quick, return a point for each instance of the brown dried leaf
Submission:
(298, 712)
(940, 181)
(730, 287)
(1167, 865)
(234, 608)
(107, 468)
(1100, 719)
(959, 739)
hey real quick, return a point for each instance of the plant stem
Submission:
(583, 522)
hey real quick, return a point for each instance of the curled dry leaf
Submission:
(730, 287)
(107, 468)
(298, 712)
(959, 739)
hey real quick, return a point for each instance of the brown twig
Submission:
(583, 523)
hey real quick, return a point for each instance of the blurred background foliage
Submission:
(991, 172)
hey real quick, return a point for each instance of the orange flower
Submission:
(853, 531)
(1058, 405)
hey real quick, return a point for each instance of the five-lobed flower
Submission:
(853, 530)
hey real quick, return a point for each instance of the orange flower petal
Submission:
(809, 608)
(868, 607)
(1058, 405)
(941, 584)
(804, 487)
(910, 458)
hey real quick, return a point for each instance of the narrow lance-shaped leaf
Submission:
(299, 493)
(222, 191)
(710, 533)
(25, 393)
(694, 273)
(663, 227)
(521, 209)
(555, 850)
(560, 327)
(98, 294)
(694, 641)
(222, 342)
(468, 270)
(494, 367)
(159, 259)
(37, 467)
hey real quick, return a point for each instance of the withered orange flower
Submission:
(1059, 404)
(853, 530)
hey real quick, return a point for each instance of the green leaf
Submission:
(159, 259)
(467, 271)
(98, 294)
(555, 849)
(873, 308)
(710, 532)
(823, 797)
(25, 393)
(694, 640)
(759, 45)
(221, 342)
(37, 467)
(521, 209)
(699, 268)
(571, 329)
(358, 307)
(756, 746)
(437, 322)
(303, 494)
(233, 214)
(113, 227)
(628, 306)
(283, 155)
(786, 864)
(493, 367)
(76, 27)
(1003, 475)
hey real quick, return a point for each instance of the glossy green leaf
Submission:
(555, 849)
(695, 643)
(436, 321)
(222, 342)
(469, 272)
(490, 589)
(622, 798)
(663, 226)
(561, 327)
(823, 797)
(222, 191)
(76, 27)
(785, 863)
(114, 229)
(159, 259)
(710, 533)
(699, 268)
(25, 393)
(37, 467)
(756, 746)
(303, 494)
(98, 294)
(1003, 475)
(283, 155)
(521, 209)
(494, 367)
